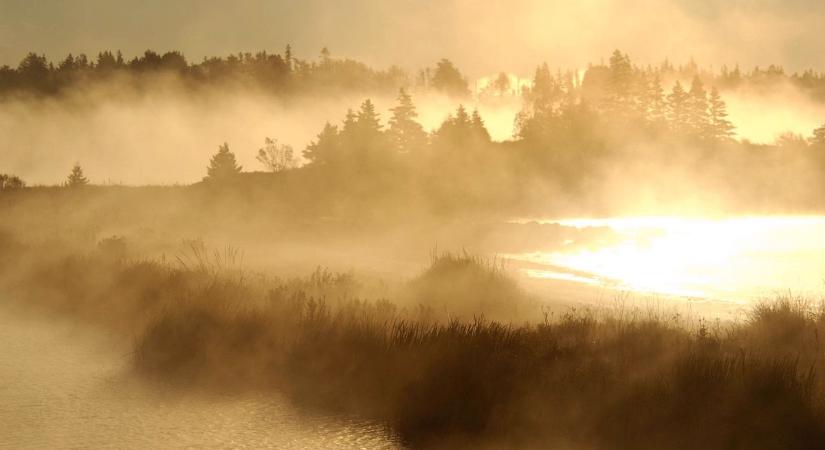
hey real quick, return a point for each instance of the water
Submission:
(65, 387)
(736, 259)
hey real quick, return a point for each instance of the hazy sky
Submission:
(481, 36)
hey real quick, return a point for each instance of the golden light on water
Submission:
(732, 258)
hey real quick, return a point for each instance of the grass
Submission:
(584, 380)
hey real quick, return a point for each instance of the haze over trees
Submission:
(76, 177)
(222, 166)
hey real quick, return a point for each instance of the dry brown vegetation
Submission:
(585, 379)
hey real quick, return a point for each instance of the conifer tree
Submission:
(368, 120)
(721, 126)
(478, 127)
(76, 177)
(698, 118)
(677, 106)
(223, 165)
(324, 149)
(655, 101)
(404, 131)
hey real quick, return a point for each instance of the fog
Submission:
(371, 224)
(166, 136)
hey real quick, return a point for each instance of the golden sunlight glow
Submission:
(735, 258)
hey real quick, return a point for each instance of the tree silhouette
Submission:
(698, 118)
(367, 120)
(722, 128)
(478, 127)
(405, 132)
(449, 80)
(326, 147)
(678, 109)
(621, 80)
(10, 182)
(223, 166)
(76, 177)
(819, 136)
(655, 101)
(276, 157)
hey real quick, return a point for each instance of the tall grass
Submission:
(581, 380)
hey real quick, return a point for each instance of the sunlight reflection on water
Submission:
(740, 258)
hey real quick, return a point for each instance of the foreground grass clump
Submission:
(466, 286)
(586, 379)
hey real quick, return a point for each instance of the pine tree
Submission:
(404, 131)
(542, 95)
(722, 128)
(677, 105)
(325, 148)
(478, 127)
(621, 84)
(223, 166)
(76, 177)
(655, 101)
(698, 118)
(368, 120)
(349, 122)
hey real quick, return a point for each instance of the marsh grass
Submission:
(613, 379)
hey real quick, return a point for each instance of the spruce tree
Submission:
(655, 102)
(76, 177)
(722, 128)
(698, 119)
(478, 127)
(368, 120)
(324, 149)
(223, 166)
(677, 106)
(404, 131)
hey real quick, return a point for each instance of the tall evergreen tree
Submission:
(76, 177)
(325, 148)
(655, 101)
(621, 84)
(677, 107)
(698, 117)
(478, 127)
(404, 131)
(721, 127)
(368, 120)
(223, 166)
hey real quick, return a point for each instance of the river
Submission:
(65, 386)
(737, 259)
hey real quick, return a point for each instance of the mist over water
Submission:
(66, 387)
(325, 245)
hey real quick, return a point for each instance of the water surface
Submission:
(65, 387)
(737, 259)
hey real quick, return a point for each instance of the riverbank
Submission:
(586, 378)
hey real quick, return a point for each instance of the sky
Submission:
(482, 37)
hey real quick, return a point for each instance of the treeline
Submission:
(285, 73)
(276, 73)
